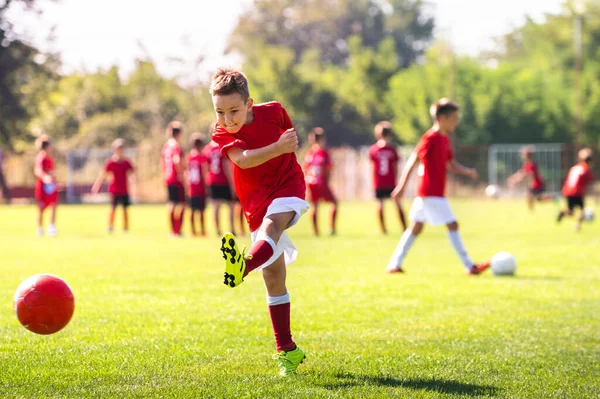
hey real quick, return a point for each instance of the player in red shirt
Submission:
(436, 157)
(173, 167)
(196, 170)
(219, 179)
(578, 179)
(531, 171)
(260, 140)
(121, 169)
(384, 158)
(46, 193)
(318, 167)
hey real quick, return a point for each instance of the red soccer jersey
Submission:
(195, 179)
(171, 157)
(531, 168)
(280, 177)
(119, 170)
(434, 151)
(577, 180)
(215, 176)
(44, 162)
(385, 165)
(317, 165)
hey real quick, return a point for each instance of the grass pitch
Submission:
(153, 319)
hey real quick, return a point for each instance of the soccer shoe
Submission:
(52, 232)
(235, 261)
(560, 217)
(394, 270)
(40, 231)
(289, 361)
(478, 268)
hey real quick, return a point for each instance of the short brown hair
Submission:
(229, 81)
(383, 129)
(197, 140)
(174, 129)
(317, 132)
(441, 107)
(118, 143)
(43, 141)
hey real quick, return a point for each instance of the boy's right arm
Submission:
(244, 159)
(411, 163)
(98, 182)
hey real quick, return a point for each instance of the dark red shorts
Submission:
(45, 200)
(320, 192)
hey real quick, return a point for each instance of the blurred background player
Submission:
(317, 167)
(172, 166)
(260, 140)
(121, 169)
(384, 158)
(578, 179)
(196, 170)
(46, 192)
(530, 171)
(219, 179)
(435, 155)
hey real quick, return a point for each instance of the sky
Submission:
(92, 34)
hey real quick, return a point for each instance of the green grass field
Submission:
(153, 319)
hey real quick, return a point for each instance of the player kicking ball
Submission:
(46, 193)
(578, 179)
(120, 168)
(318, 167)
(260, 140)
(435, 155)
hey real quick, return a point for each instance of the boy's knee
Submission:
(416, 228)
(453, 226)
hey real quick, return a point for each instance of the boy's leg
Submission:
(240, 216)
(111, 214)
(202, 225)
(406, 241)
(181, 217)
(193, 221)
(171, 212)
(314, 216)
(459, 248)
(126, 217)
(52, 226)
(217, 206)
(232, 216)
(401, 215)
(40, 219)
(380, 206)
(530, 201)
(333, 216)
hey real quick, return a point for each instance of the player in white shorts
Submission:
(430, 206)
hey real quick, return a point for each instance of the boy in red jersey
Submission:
(219, 179)
(173, 167)
(120, 168)
(196, 169)
(578, 179)
(46, 192)
(260, 140)
(317, 167)
(435, 155)
(536, 182)
(384, 158)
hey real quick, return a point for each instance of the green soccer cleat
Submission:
(235, 262)
(289, 361)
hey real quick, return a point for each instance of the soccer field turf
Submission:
(153, 319)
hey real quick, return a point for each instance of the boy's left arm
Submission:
(455, 167)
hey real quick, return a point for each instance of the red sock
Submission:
(261, 252)
(172, 219)
(180, 221)
(280, 320)
(333, 218)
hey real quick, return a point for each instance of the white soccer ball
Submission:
(503, 264)
(492, 191)
(588, 214)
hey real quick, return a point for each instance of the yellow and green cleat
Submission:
(289, 361)
(235, 262)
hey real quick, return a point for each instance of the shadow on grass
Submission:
(439, 385)
(547, 278)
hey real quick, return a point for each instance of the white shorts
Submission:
(433, 210)
(285, 245)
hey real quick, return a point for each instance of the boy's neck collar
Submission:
(250, 117)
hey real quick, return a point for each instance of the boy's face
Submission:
(119, 151)
(232, 112)
(450, 121)
(48, 149)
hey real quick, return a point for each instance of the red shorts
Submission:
(45, 200)
(320, 192)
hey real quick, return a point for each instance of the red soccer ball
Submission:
(44, 303)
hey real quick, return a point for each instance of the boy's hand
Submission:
(288, 142)
(473, 174)
(397, 194)
(47, 179)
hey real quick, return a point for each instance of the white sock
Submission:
(454, 237)
(406, 241)
(263, 237)
(278, 300)
(40, 231)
